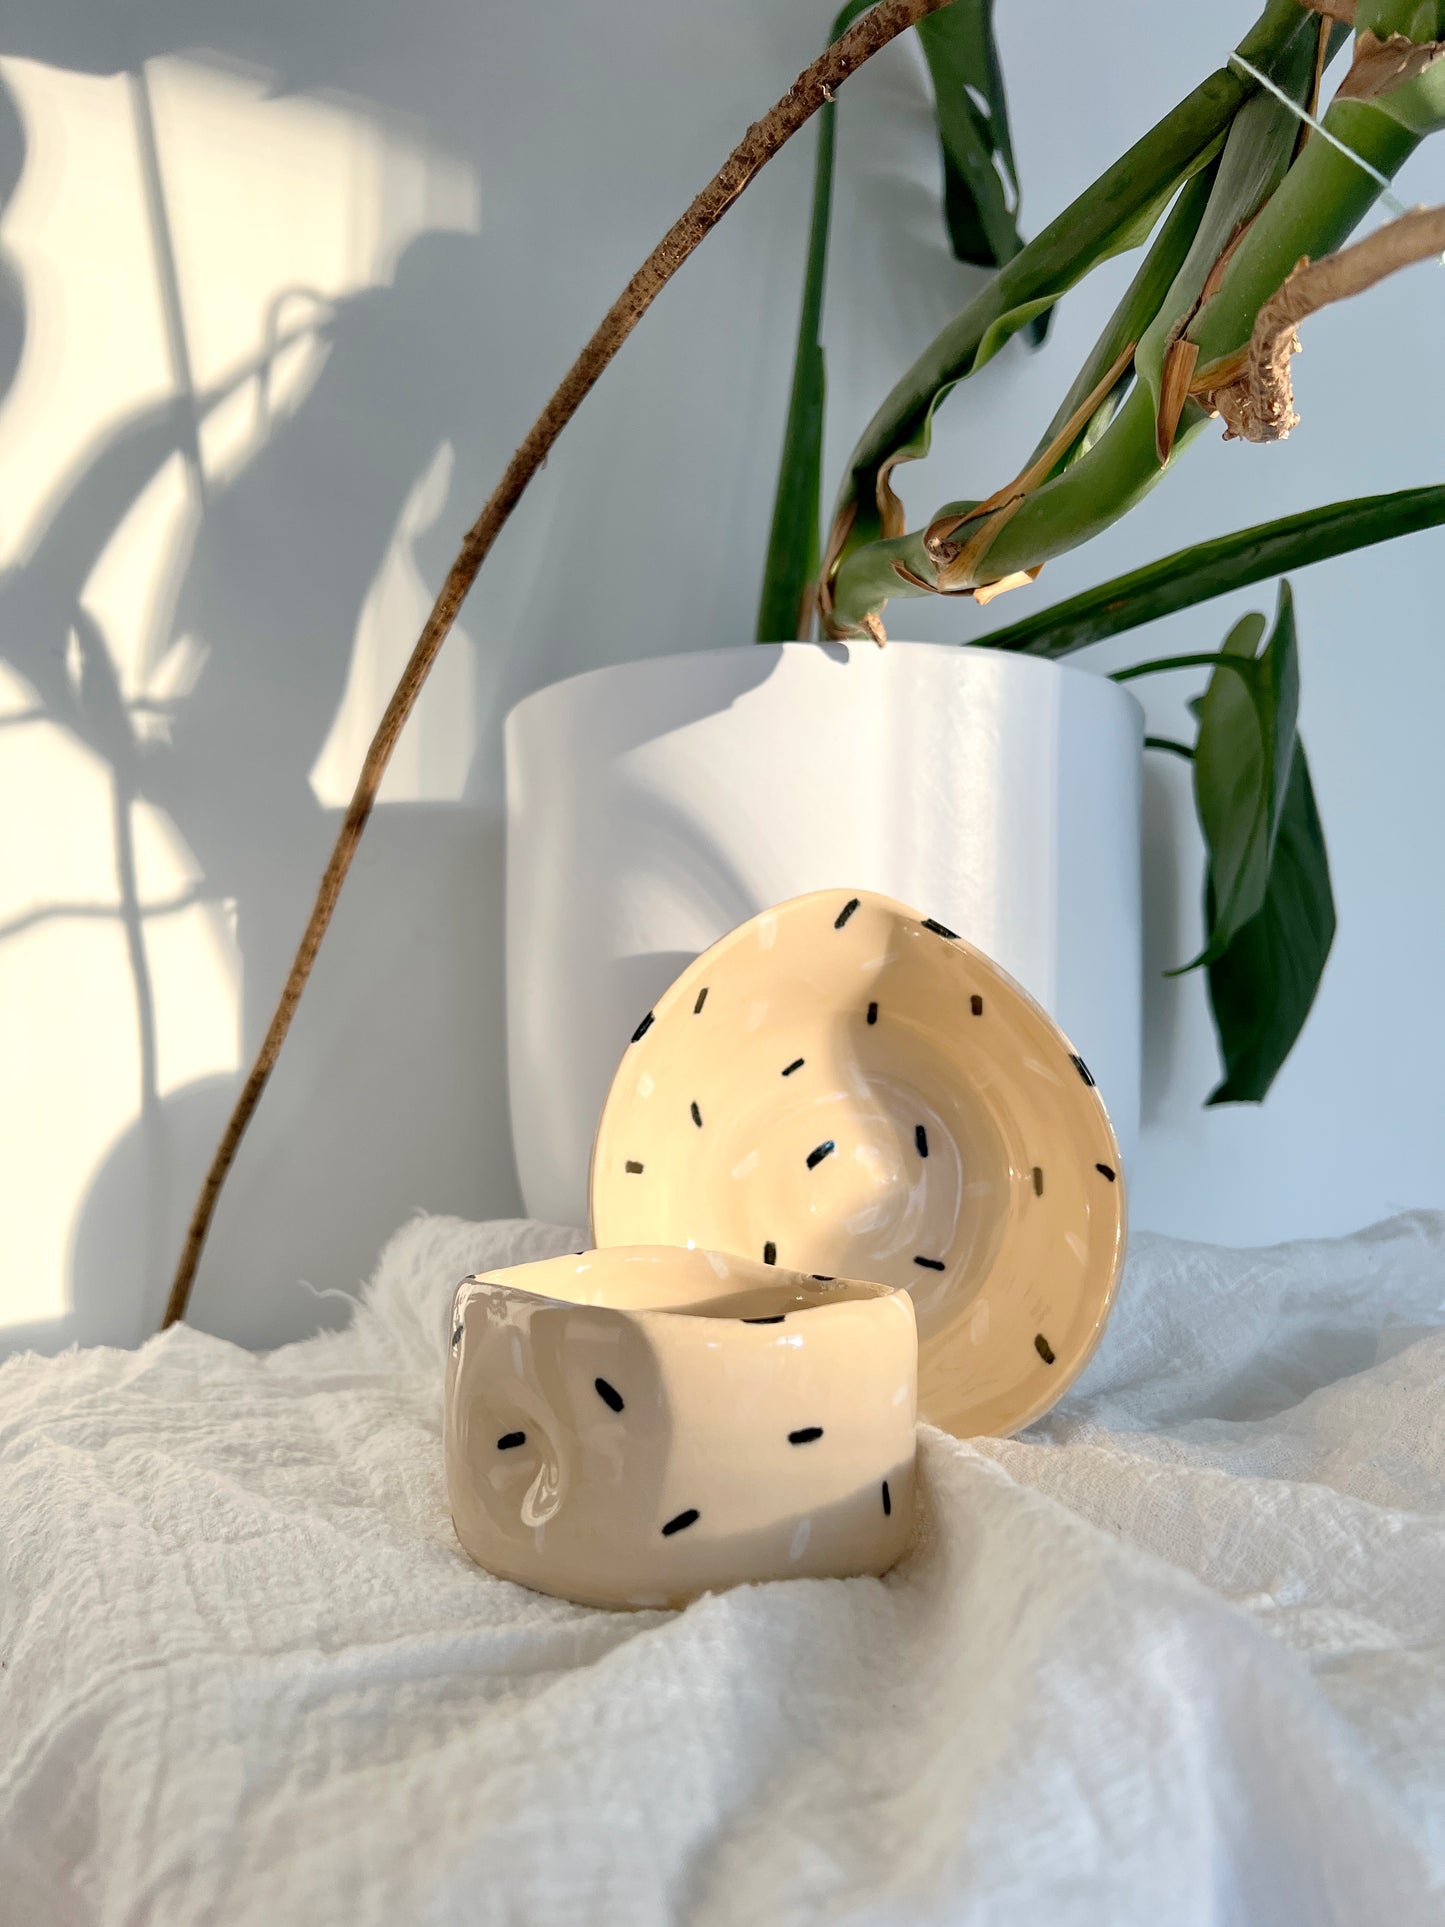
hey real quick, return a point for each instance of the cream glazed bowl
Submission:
(844, 1085)
(635, 1426)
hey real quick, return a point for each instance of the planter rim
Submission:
(1027, 664)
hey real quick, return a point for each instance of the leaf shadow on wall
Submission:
(391, 1093)
(390, 1097)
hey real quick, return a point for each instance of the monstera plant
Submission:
(1244, 193)
(1243, 198)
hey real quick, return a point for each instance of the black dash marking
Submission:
(776, 1319)
(770, 1253)
(796, 1065)
(873, 1013)
(1105, 1171)
(634, 1167)
(920, 1138)
(701, 1000)
(609, 1394)
(822, 1277)
(681, 1522)
(805, 1435)
(1044, 1349)
(509, 1439)
(643, 1028)
(941, 929)
(696, 1114)
(819, 1152)
(1038, 1180)
(887, 1501)
(975, 1004)
(1082, 1068)
(931, 1264)
(456, 1337)
(843, 915)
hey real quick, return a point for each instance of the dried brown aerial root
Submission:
(1251, 389)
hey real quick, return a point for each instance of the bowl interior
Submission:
(675, 1279)
(842, 1087)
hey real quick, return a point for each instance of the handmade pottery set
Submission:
(848, 1174)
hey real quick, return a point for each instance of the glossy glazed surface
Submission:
(635, 1427)
(843, 1087)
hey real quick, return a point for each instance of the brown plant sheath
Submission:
(807, 94)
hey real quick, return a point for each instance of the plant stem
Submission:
(1144, 296)
(1168, 743)
(1098, 221)
(1161, 665)
(1312, 212)
(762, 140)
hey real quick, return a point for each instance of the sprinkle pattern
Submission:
(681, 1522)
(887, 1501)
(814, 1158)
(509, 1441)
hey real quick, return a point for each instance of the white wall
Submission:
(280, 290)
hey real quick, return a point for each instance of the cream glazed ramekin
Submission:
(635, 1426)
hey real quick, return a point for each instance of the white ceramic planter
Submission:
(654, 805)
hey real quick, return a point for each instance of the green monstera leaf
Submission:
(1269, 908)
(1263, 983)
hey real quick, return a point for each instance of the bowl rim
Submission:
(831, 1298)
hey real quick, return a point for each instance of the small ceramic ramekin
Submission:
(635, 1426)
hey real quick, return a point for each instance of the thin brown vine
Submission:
(815, 85)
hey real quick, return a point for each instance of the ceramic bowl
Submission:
(633, 1427)
(842, 1085)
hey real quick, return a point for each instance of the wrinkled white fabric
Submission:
(1175, 1656)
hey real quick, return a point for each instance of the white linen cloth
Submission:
(1175, 1656)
